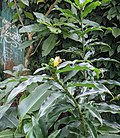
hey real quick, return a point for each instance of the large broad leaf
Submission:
(48, 45)
(48, 103)
(34, 100)
(26, 2)
(22, 87)
(90, 7)
(91, 128)
(3, 109)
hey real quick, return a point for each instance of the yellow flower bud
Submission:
(57, 61)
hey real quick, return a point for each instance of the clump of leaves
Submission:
(67, 101)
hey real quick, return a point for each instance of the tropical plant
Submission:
(64, 98)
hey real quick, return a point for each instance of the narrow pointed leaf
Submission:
(94, 112)
(3, 109)
(90, 7)
(22, 87)
(91, 128)
(34, 100)
(54, 134)
(48, 103)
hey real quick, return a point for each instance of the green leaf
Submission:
(115, 32)
(105, 129)
(81, 67)
(118, 49)
(104, 59)
(26, 2)
(22, 87)
(10, 120)
(34, 100)
(48, 45)
(42, 18)
(109, 82)
(54, 134)
(105, 1)
(48, 103)
(3, 109)
(78, 2)
(88, 84)
(29, 15)
(6, 133)
(94, 112)
(90, 7)
(54, 29)
(32, 28)
(91, 128)
(86, 2)
(104, 108)
(70, 75)
(26, 44)
(109, 136)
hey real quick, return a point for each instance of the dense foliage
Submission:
(74, 96)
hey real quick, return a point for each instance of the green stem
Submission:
(76, 104)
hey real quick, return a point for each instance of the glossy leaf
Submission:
(94, 112)
(3, 109)
(32, 28)
(48, 103)
(91, 128)
(34, 100)
(90, 7)
(22, 87)
(104, 107)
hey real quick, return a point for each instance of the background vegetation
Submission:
(79, 97)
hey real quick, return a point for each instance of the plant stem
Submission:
(76, 104)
